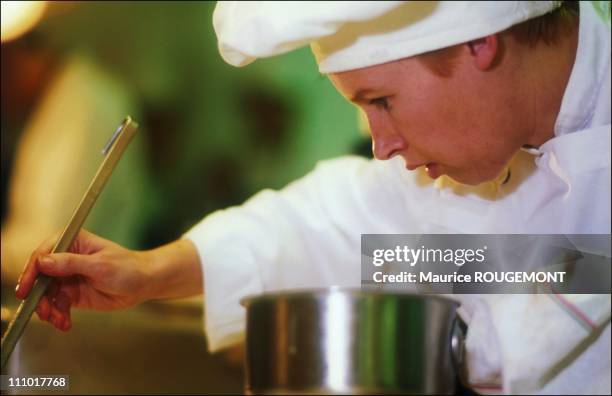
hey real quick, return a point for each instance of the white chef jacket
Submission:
(308, 236)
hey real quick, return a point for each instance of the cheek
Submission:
(428, 114)
(457, 121)
(431, 127)
(472, 147)
(461, 140)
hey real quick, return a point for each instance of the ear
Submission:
(484, 51)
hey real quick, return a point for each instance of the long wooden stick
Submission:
(113, 151)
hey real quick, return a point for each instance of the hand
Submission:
(95, 274)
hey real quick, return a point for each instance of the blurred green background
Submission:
(211, 135)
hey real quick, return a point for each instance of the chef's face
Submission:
(466, 125)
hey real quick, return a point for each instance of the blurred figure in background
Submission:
(59, 151)
(208, 139)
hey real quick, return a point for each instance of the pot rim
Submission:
(352, 291)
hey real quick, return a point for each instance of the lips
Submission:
(433, 170)
(412, 167)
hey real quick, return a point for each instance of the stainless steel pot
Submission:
(350, 341)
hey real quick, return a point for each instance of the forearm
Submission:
(174, 271)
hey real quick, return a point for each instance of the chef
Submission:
(486, 117)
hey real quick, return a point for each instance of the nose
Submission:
(386, 141)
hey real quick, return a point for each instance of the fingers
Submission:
(58, 314)
(54, 307)
(61, 312)
(65, 264)
(85, 244)
(43, 310)
(28, 276)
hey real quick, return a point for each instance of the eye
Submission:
(381, 102)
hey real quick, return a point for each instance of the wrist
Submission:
(152, 276)
(172, 271)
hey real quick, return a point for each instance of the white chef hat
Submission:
(346, 35)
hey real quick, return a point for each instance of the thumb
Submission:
(64, 264)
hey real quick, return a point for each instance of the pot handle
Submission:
(458, 349)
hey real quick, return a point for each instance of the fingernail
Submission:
(46, 261)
